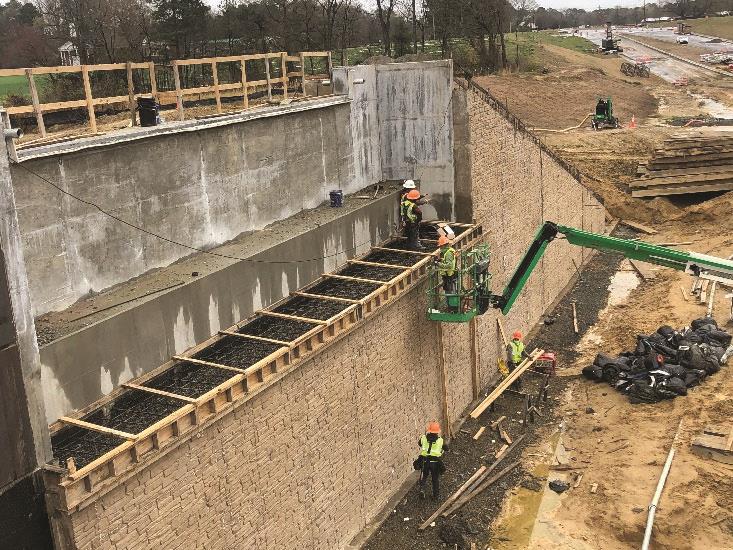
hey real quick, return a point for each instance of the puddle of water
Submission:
(715, 108)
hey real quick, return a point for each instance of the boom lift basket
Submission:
(473, 282)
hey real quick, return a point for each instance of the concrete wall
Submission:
(82, 367)
(290, 467)
(402, 127)
(199, 187)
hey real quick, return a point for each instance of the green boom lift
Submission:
(474, 296)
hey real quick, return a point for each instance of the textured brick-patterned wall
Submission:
(304, 464)
(309, 462)
(516, 186)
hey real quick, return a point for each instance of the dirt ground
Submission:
(590, 428)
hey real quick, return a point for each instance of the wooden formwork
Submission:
(71, 488)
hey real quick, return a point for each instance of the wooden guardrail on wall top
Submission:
(232, 89)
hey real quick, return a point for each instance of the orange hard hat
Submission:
(443, 240)
(413, 195)
(517, 335)
(433, 428)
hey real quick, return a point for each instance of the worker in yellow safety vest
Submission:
(430, 461)
(515, 354)
(411, 215)
(447, 268)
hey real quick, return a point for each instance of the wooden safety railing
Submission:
(177, 95)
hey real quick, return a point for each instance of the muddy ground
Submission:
(590, 428)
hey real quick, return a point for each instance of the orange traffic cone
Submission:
(632, 124)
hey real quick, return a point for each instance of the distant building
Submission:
(69, 54)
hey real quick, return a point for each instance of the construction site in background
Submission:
(385, 306)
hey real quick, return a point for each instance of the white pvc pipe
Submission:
(658, 492)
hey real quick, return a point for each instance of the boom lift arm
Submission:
(700, 265)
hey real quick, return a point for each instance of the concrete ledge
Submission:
(177, 127)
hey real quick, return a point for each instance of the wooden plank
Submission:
(153, 80)
(404, 251)
(207, 363)
(131, 95)
(302, 68)
(293, 317)
(640, 227)
(684, 294)
(475, 362)
(36, 104)
(284, 74)
(655, 180)
(375, 264)
(217, 93)
(159, 392)
(501, 451)
(681, 190)
(496, 423)
(97, 428)
(481, 488)
(357, 279)
(89, 99)
(501, 331)
(245, 99)
(504, 384)
(58, 69)
(479, 433)
(643, 269)
(179, 94)
(453, 497)
(269, 81)
(575, 318)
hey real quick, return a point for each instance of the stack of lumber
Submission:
(690, 163)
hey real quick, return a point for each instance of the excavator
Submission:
(474, 296)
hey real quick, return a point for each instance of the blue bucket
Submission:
(337, 198)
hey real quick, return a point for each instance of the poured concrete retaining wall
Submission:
(309, 461)
(82, 367)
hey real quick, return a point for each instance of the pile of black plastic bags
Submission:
(665, 364)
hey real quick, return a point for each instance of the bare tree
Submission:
(385, 10)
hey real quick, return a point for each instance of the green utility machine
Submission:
(603, 116)
(474, 297)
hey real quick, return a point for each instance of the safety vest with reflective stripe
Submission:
(435, 451)
(517, 350)
(447, 265)
(408, 211)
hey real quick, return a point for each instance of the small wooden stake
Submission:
(479, 433)
(267, 76)
(179, 92)
(132, 104)
(89, 99)
(684, 294)
(36, 104)
(215, 78)
(575, 319)
(284, 71)
(153, 81)
(245, 87)
(71, 465)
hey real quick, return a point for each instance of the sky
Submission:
(557, 4)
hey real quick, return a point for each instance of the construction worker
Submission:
(430, 461)
(447, 267)
(515, 354)
(411, 215)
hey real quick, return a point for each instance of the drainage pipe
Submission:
(658, 493)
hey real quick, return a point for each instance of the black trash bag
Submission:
(675, 385)
(611, 372)
(663, 392)
(642, 345)
(702, 321)
(699, 357)
(677, 371)
(694, 377)
(641, 392)
(713, 336)
(602, 360)
(593, 372)
(667, 332)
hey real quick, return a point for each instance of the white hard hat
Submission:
(409, 184)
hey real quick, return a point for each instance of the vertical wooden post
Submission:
(330, 67)
(215, 76)
(302, 69)
(179, 93)
(89, 99)
(475, 378)
(153, 81)
(131, 94)
(245, 86)
(36, 103)
(284, 73)
(267, 76)
(443, 379)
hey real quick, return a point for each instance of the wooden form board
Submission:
(241, 88)
(78, 489)
(716, 442)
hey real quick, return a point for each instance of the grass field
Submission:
(18, 85)
(711, 26)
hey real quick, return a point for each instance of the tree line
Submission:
(110, 31)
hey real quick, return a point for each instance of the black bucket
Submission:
(337, 198)
(148, 109)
